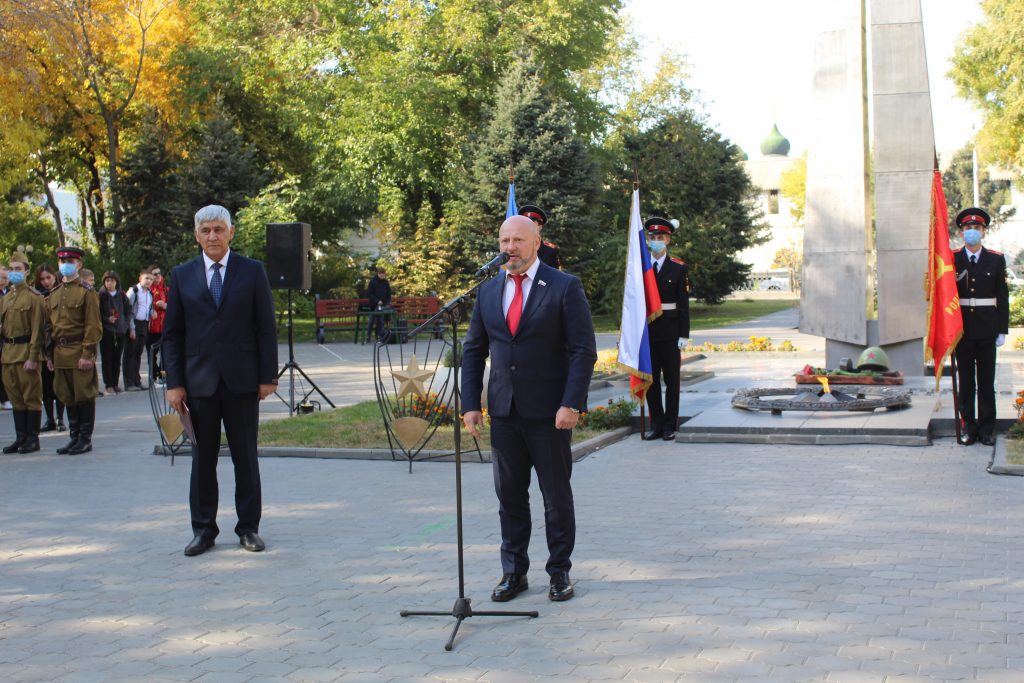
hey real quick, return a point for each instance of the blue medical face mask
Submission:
(972, 236)
(657, 247)
(16, 277)
(68, 269)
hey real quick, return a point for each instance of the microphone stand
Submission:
(462, 609)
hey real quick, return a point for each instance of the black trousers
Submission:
(153, 352)
(976, 373)
(133, 354)
(517, 444)
(111, 350)
(665, 364)
(240, 415)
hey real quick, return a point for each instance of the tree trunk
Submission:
(113, 144)
(51, 202)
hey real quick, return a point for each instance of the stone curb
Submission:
(999, 463)
(579, 451)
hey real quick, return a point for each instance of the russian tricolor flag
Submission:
(510, 209)
(641, 304)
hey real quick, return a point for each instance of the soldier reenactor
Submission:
(548, 252)
(75, 330)
(22, 330)
(669, 332)
(985, 308)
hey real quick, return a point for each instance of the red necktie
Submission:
(515, 311)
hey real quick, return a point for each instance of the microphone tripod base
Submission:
(461, 611)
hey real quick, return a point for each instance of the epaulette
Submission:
(677, 260)
(958, 250)
(993, 251)
(551, 244)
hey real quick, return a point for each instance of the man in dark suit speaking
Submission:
(220, 357)
(534, 322)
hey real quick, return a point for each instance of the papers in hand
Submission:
(186, 422)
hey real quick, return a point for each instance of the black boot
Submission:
(50, 424)
(86, 421)
(19, 431)
(60, 416)
(73, 422)
(31, 442)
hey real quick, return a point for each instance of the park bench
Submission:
(352, 315)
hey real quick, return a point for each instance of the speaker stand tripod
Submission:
(462, 609)
(291, 367)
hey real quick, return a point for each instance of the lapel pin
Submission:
(542, 283)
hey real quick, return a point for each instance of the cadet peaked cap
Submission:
(70, 252)
(973, 215)
(659, 226)
(533, 212)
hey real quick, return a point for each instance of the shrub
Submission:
(614, 414)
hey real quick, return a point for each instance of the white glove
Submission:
(1000, 340)
(683, 341)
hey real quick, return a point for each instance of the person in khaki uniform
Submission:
(75, 331)
(21, 327)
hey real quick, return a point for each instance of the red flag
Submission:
(945, 324)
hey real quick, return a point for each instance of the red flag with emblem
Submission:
(945, 324)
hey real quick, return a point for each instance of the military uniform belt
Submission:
(68, 341)
(978, 302)
(668, 307)
(23, 339)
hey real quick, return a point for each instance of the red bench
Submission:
(352, 315)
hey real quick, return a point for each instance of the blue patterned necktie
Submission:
(216, 284)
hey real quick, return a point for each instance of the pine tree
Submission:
(533, 130)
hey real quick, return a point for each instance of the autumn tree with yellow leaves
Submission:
(78, 68)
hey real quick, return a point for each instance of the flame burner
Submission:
(860, 399)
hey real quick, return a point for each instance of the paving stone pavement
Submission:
(709, 562)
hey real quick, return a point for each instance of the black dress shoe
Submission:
(987, 440)
(652, 434)
(561, 587)
(252, 542)
(967, 439)
(669, 435)
(198, 546)
(509, 587)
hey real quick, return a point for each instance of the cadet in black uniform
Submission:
(548, 252)
(669, 332)
(985, 307)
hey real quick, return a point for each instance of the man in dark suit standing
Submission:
(669, 332)
(985, 308)
(220, 355)
(534, 322)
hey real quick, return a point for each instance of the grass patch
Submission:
(361, 426)
(1015, 451)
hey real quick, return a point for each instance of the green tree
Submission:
(958, 186)
(532, 129)
(988, 69)
(153, 212)
(690, 172)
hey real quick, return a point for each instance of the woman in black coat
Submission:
(115, 311)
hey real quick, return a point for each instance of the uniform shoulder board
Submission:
(551, 244)
(678, 260)
(957, 251)
(993, 251)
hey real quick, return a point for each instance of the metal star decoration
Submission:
(412, 379)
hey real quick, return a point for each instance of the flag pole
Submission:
(956, 396)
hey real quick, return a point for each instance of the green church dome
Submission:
(775, 144)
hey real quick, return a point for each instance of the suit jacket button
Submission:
(512, 368)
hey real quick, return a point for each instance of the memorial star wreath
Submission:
(416, 394)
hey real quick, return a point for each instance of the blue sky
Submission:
(751, 62)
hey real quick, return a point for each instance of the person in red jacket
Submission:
(156, 323)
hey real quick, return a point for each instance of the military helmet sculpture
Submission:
(873, 358)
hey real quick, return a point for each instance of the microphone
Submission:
(492, 265)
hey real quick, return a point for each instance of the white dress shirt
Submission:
(510, 287)
(209, 266)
